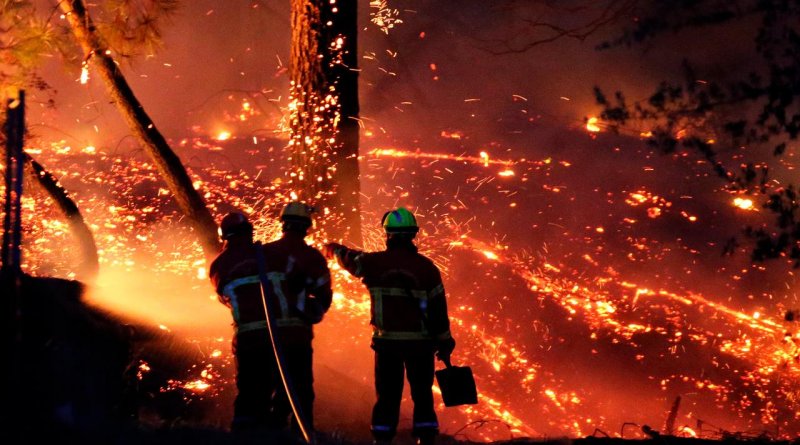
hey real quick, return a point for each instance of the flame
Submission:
(198, 385)
(485, 158)
(591, 125)
(481, 159)
(614, 307)
(84, 73)
(744, 203)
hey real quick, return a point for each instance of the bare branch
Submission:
(529, 36)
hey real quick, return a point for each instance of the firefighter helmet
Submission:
(297, 211)
(234, 223)
(400, 220)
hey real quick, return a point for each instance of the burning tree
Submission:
(324, 111)
(130, 25)
(169, 165)
(19, 50)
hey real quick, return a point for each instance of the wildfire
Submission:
(483, 158)
(84, 73)
(508, 350)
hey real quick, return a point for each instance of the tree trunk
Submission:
(167, 162)
(89, 265)
(324, 112)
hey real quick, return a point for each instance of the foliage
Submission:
(25, 38)
(758, 111)
(133, 27)
(29, 34)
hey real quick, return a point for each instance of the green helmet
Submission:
(400, 220)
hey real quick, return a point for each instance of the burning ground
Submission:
(586, 278)
(584, 294)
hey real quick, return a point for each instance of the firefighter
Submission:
(299, 293)
(409, 320)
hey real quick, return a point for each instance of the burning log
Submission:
(34, 170)
(90, 263)
(169, 165)
(673, 415)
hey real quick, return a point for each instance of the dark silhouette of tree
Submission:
(324, 112)
(23, 38)
(711, 116)
(90, 263)
(126, 28)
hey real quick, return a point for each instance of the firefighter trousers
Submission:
(261, 400)
(392, 358)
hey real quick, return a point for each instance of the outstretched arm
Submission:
(350, 259)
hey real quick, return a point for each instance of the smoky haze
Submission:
(587, 287)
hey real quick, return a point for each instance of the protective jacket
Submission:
(299, 291)
(406, 292)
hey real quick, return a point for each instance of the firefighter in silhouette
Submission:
(409, 320)
(298, 295)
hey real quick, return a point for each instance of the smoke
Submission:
(578, 306)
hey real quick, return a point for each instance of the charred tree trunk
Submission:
(167, 162)
(324, 112)
(36, 172)
(89, 264)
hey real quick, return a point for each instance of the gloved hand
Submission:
(329, 250)
(444, 348)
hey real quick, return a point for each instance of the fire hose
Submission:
(297, 410)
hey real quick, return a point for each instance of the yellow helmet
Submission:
(297, 211)
(400, 220)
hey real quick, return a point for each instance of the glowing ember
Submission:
(591, 125)
(536, 325)
(485, 158)
(481, 159)
(198, 385)
(744, 203)
(84, 73)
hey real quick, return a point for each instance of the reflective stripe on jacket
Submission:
(406, 292)
(283, 317)
(297, 273)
